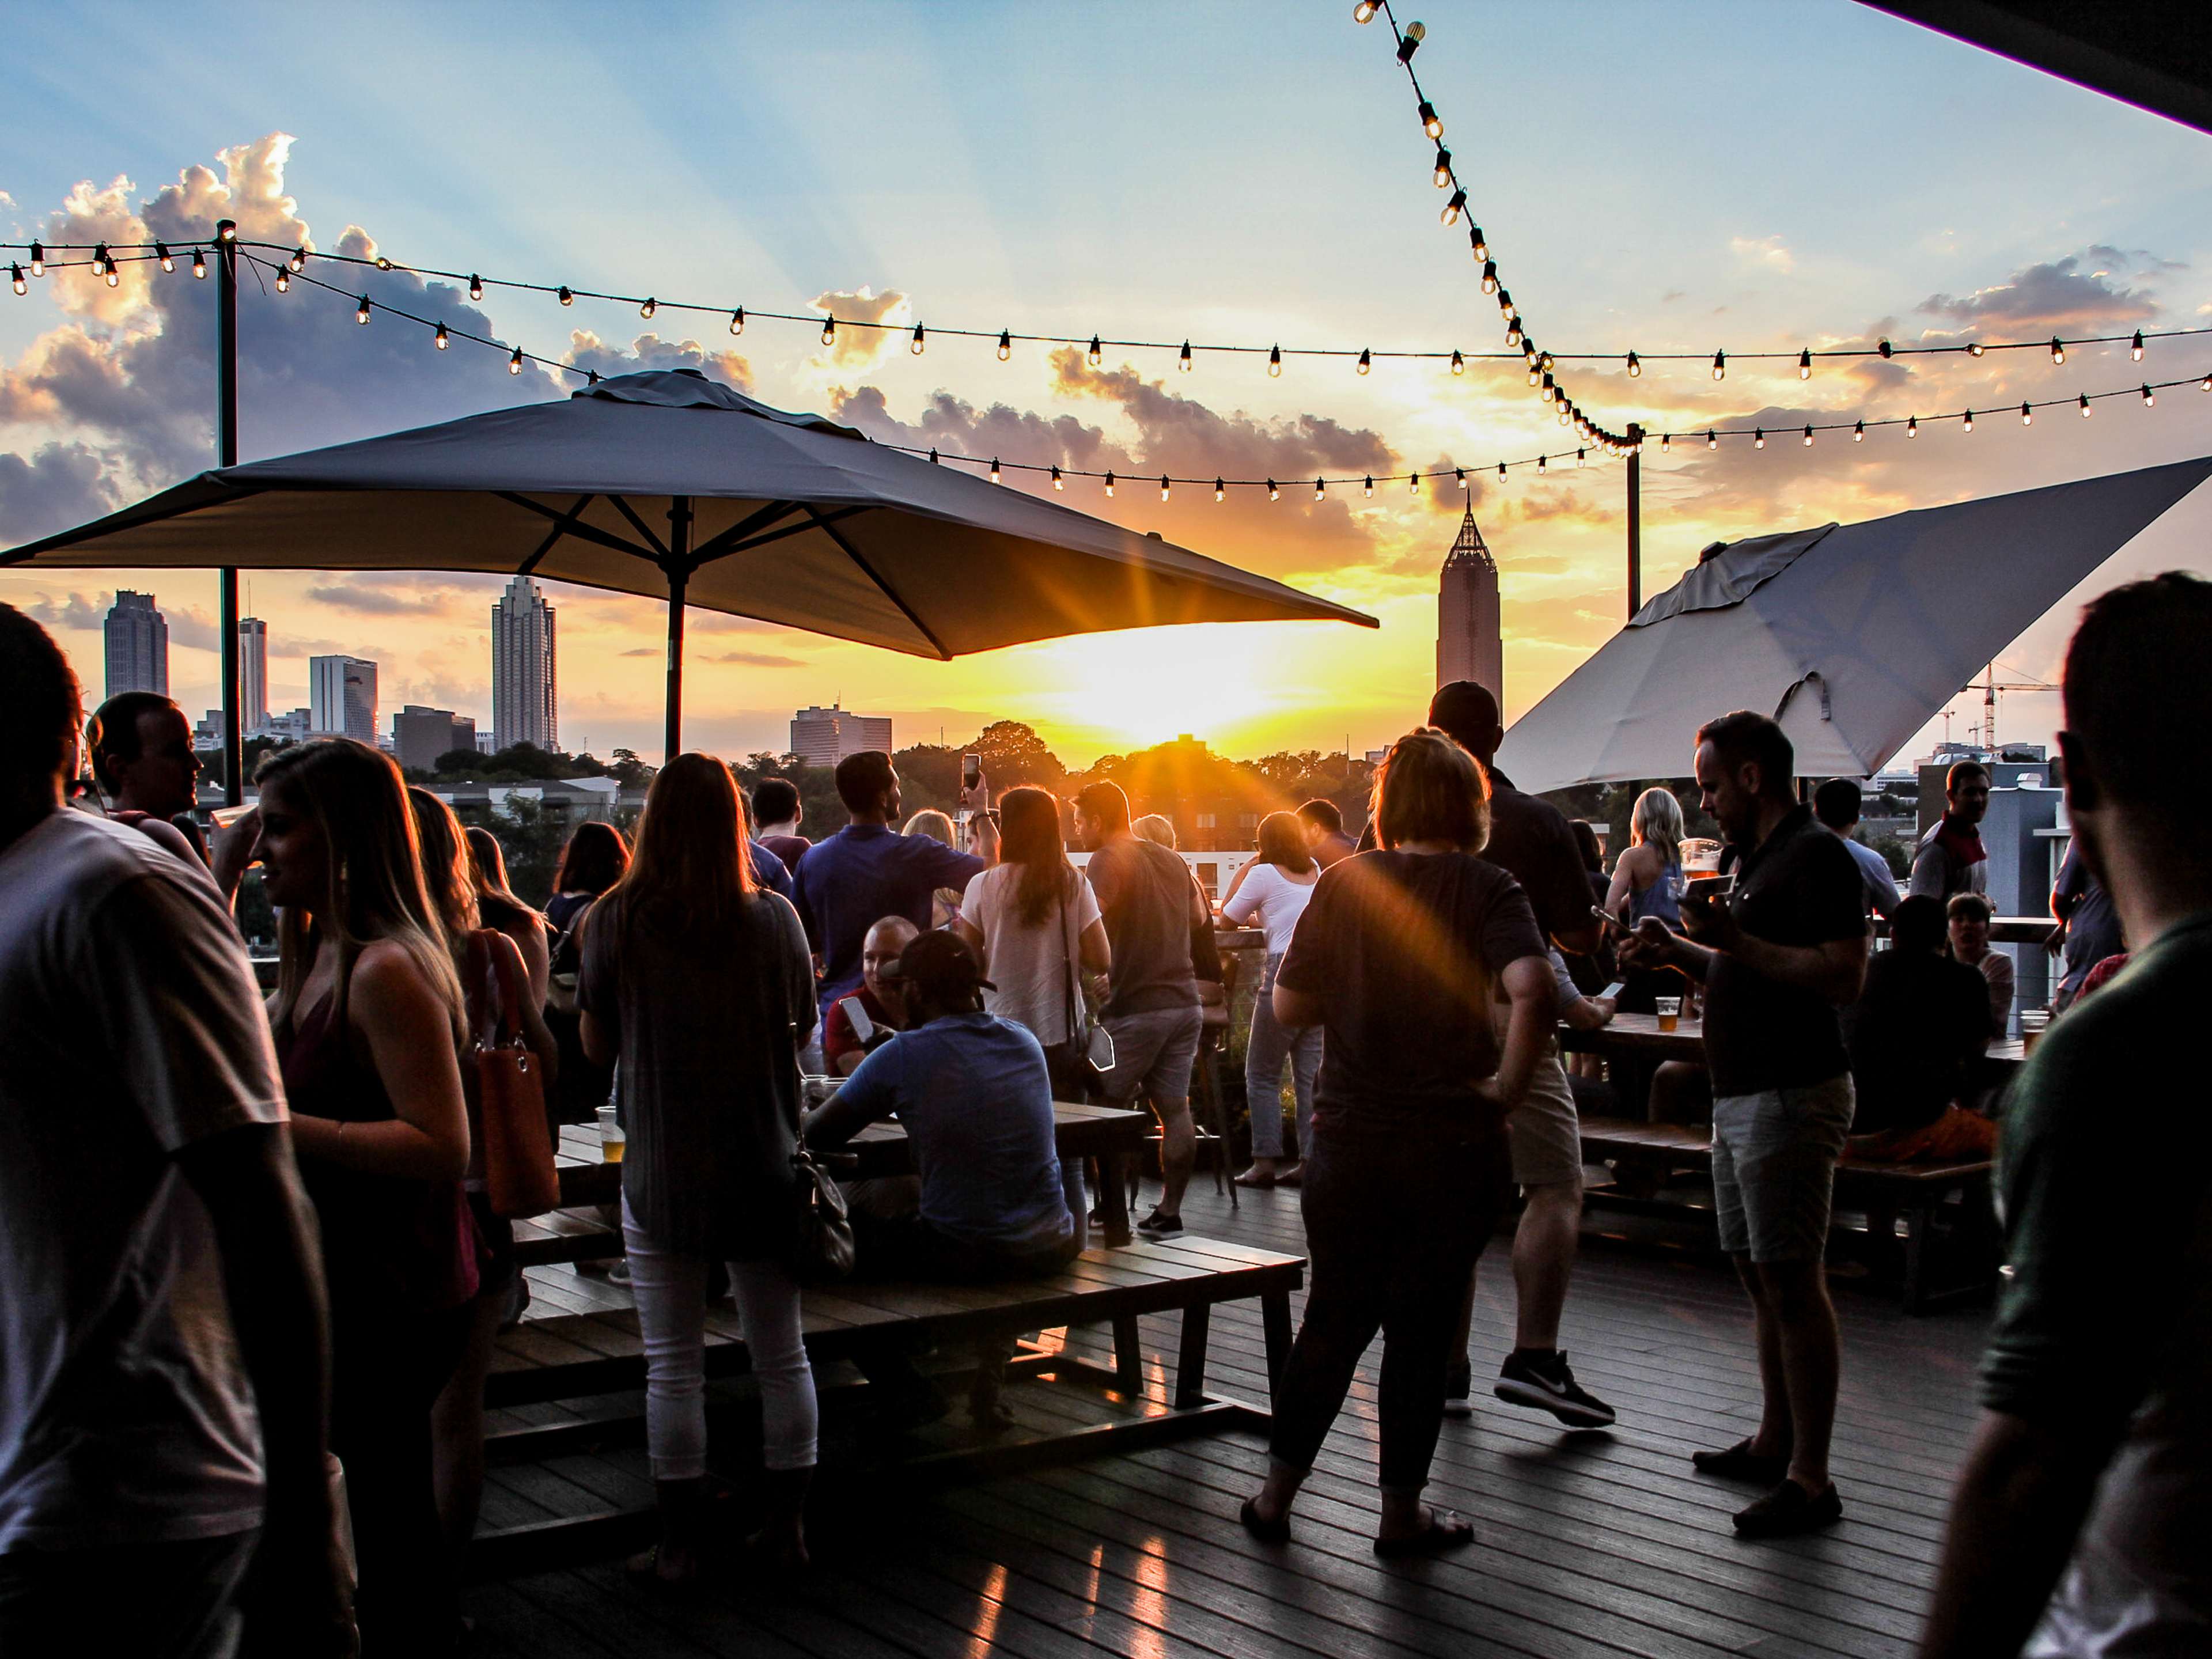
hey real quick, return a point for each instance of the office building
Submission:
(486, 744)
(420, 736)
(252, 672)
(526, 700)
(823, 737)
(295, 727)
(138, 645)
(341, 698)
(1469, 642)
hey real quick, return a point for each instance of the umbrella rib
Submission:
(726, 541)
(581, 530)
(766, 537)
(869, 571)
(623, 507)
(561, 527)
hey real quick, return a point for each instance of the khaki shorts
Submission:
(1545, 1135)
(1774, 1168)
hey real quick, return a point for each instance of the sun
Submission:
(1141, 686)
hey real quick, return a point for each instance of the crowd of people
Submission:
(256, 1277)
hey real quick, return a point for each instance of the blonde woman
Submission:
(1647, 878)
(370, 1021)
(945, 902)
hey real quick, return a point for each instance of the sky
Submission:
(1650, 177)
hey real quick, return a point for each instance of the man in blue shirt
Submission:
(1836, 803)
(868, 870)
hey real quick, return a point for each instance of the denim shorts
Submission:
(1774, 1168)
(1153, 1053)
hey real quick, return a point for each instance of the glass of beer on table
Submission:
(1669, 1012)
(611, 1138)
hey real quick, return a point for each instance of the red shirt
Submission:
(838, 1037)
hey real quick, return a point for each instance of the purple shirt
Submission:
(852, 881)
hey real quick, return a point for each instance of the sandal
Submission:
(1277, 1531)
(1292, 1176)
(1252, 1178)
(1447, 1530)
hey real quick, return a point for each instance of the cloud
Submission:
(77, 611)
(586, 350)
(2076, 292)
(1768, 251)
(748, 658)
(367, 601)
(861, 347)
(62, 484)
(644, 650)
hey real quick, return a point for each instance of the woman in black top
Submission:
(499, 909)
(592, 862)
(700, 981)
(1411, 958)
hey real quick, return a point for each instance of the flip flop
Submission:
(1277, 1531)
(1446, 1530)
(1249, 1179)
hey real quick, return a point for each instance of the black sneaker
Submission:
(1788, 1510)
(1543, 1382)
(1160, 1224)
(1459, 1382)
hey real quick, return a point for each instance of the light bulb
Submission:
(1501, 472)
(994, 469)
(2026, 414)
(1110, 483)
(1369, 490)
(16, 278)
(1474, 241)
(1275, 361)
(2084, 401)
(442, 341)
(1758, 437)
(1459, 363)
(383, 264)
(650, 306)
(565, 297)
(114, 276)
(1513, 335)
(199, 263)
(1006, 344)
(1808, 437)
(1912, 426)
(1274, 495)
(1550, 391)
(920, 343)
(475, 286)
(738, 320)
(514, 363)
(101, 263)
(1973, 348)
(1163, 486)
(228, 233)
(1805, 365)
(1535, 375)
(591, 377)
(1366, 362)
(2058, 349)
(829, 330)
(1220, 490)
(1096, 355)
(1666, 443)
(1579, 459)
(1058, 482)
(1505, 306)
(1720, 365)
(1713, 438)
(2205, 385)
(2135, 351)
(1317, 489)
(1431, 122)
(299, 259)
(1410, 41)
(1182, 358)
(1452, 209)
(1444, 173)
(1365, 11)
(1459, 476)
(1635, 368)
(162, 252)
(283, 281)
(1970, 420)
(1413, 483)
(933, 456)
(1541, 467)
(38, 259)
(2149, 399)
(1884, 348)
(1858, 432)
(1489, 277)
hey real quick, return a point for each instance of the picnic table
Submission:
(1640, 1036)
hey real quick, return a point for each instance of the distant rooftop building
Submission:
(487, 742)
(1469, 642)
(341, 698)
(823, 737)
(294, 727)
(525, 697)
(138, 645)
(252, 672)
(420, 735)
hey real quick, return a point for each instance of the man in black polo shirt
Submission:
(1532, 841)
(1778, 956)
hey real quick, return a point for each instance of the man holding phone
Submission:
(1780, 954)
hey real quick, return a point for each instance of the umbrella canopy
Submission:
(1853, 637)
(668, 484)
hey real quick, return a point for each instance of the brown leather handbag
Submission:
(520, 1178)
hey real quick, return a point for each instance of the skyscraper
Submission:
(823, 737)
(138, 645)
(341, 698)
(420, 736)
(526, 696)
(1469, 646)
(252, 672)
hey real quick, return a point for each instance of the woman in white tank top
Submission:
(1272, 890)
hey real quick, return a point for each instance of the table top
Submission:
(1640, 1033)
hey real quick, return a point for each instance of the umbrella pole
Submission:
(1635, 521)
(226, 353)
(678, 571)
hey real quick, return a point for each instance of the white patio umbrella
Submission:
(1853, 637)
(671, 485)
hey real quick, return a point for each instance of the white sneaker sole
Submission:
(1536, 1398)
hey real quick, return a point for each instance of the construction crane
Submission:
(1989, 687)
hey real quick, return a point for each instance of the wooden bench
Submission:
(1644, 1155)
(580, 1339)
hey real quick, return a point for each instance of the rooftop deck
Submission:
(1586, 1544)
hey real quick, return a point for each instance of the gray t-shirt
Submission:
(1145, 896)
(130, 1028)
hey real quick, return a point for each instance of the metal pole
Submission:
(679, 569)
(1635, 521)
(226, 354)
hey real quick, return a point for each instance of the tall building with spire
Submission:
(252, 672)
(138, 645)
(526, 700)
(1470, 644)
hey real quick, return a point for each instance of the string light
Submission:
(2084, 401)
(1858, 432)
(1489, 277)
(514, 363)
(1410, 41)
(1805, 365)
(2058, 349)
(1884, 349)
(1275, 361)
(1912, 426)
(1444, 173)
(1006, 344)
(1319, 489)
(1220, 490)
(1369, 490)
(199, 264)
(283, 281)
(1110, 483)
(933, 461)
(738, 320)
(360, 315)
(1459, 473)
(2134, 347)
(1578, 458)
(1974, 347)
(1430, 123)
(1058, 482)
(1501, 472)
(1413, 483)
(650, 306)
(162, 254)
(1713, 438)
(1478, 245)
(442, 341)
(16, 278)
(829, 330)
(2148, 400)
(1666, 443)
(298, 261)
(1182, 361)
(38, 258)
(1970, 420)
(1720, 365)
(1365, 11)
(566, 298)
(1453, 208)
(475, 286)
(1366, 362)
(2026, 414)
(920, 343)
(1096, 355)
(1808, 437)
(1459, 363)
(1540, 468)
(1163, 486)
(994, 469)
(1274, 495)
(1635, 368)
(1759, 438)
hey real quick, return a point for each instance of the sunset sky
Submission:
(1751, 176)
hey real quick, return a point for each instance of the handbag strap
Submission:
(1077, 1027)
(494, 969)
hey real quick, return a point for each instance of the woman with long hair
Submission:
(1410, 957)
(701, 983)
(486, 958)
(369, 1021)
(1272, 890)
(1033, 921)
(499, 909)
(592, 862)
(1647, 879)
(945, 902)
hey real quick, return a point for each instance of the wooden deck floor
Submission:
(1590, 1544)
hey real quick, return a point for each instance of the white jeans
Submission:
(671, 1289)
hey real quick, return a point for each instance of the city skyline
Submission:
(1990, 202)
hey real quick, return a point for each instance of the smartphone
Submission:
(1614, 989)
(863, 1027)
(971, 771)
(1606, 916)
(1710, 887)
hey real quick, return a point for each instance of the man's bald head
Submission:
(882, 947)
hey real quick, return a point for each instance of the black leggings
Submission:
(1394, 1223)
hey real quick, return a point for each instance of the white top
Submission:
(1274, 898)
(1027, 964)
(1874, 871)
(131, 1028)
